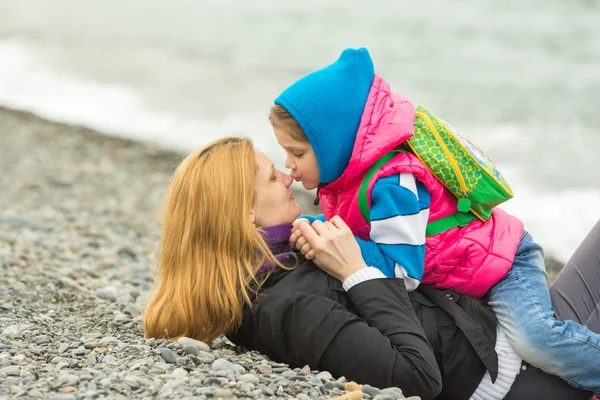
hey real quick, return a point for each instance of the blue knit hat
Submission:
(328, 105)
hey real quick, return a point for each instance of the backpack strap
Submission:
(451, 221)
(433, 228)
(363, 203)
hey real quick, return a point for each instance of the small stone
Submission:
(127, 252)
(12, 370)
(190, 349)
(10, 330)
(79, 351)
(109, 359)
(201, 345)
(35, 393)
(69, 389)
(384, 397)
(108, 340)
(302, 396)
(168, 355)
(132, 311)
(63, 347)
(222, 364)
(239, 369)
(179, 373)
(265, 369)
(195, 382)
(90, 345)
(107, 293)
(206, 357)
(132, 381)
(171, 385)
(249, 378)
(393, 391)
(57, 360)
(223, 393)
(325, 376)
(61, 365)
(370, 390)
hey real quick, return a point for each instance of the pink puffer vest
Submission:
(468, 260)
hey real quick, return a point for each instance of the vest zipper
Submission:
(317, 201)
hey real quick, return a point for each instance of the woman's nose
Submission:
(287, 180)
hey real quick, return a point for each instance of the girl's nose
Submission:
(289, 164)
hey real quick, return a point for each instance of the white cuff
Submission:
(362, 275)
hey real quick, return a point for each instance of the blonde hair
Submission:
(281, 119)
(209, 250)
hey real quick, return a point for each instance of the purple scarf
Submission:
(278, 239)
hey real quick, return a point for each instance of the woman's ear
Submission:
(252, 218)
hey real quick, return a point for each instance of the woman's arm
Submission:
(384, 347)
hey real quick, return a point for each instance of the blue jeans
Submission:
(521, 300)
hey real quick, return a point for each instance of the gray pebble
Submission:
(35, 393)
(168, 355)
(190, 349)
(107, 340)
(108, 293)
(196, 382)
(132, 381)
(222, 364)
(10, 331)
(370, 390)
(171, 385)
(179, 373)
(11, 371)
(250, 378)
(109, 359)
(385, 397)
(393, 391)
(201, 345)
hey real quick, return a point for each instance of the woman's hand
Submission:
(332, 246)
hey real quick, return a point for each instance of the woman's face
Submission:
(274, 202)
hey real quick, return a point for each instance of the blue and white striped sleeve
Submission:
(399, 214)
(313, 218)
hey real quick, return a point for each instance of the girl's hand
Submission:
(333, 247)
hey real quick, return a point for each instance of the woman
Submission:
(226, 268)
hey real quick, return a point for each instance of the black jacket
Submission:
(374, 333)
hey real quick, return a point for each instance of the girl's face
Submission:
(300, 159)
(274, 202)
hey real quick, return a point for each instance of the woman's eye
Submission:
(273, 177)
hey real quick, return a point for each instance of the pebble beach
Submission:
(79, 229)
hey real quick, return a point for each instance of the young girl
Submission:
(334, 124)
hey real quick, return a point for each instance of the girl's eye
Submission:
(298, 154)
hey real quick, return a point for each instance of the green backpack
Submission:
(456, 162)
